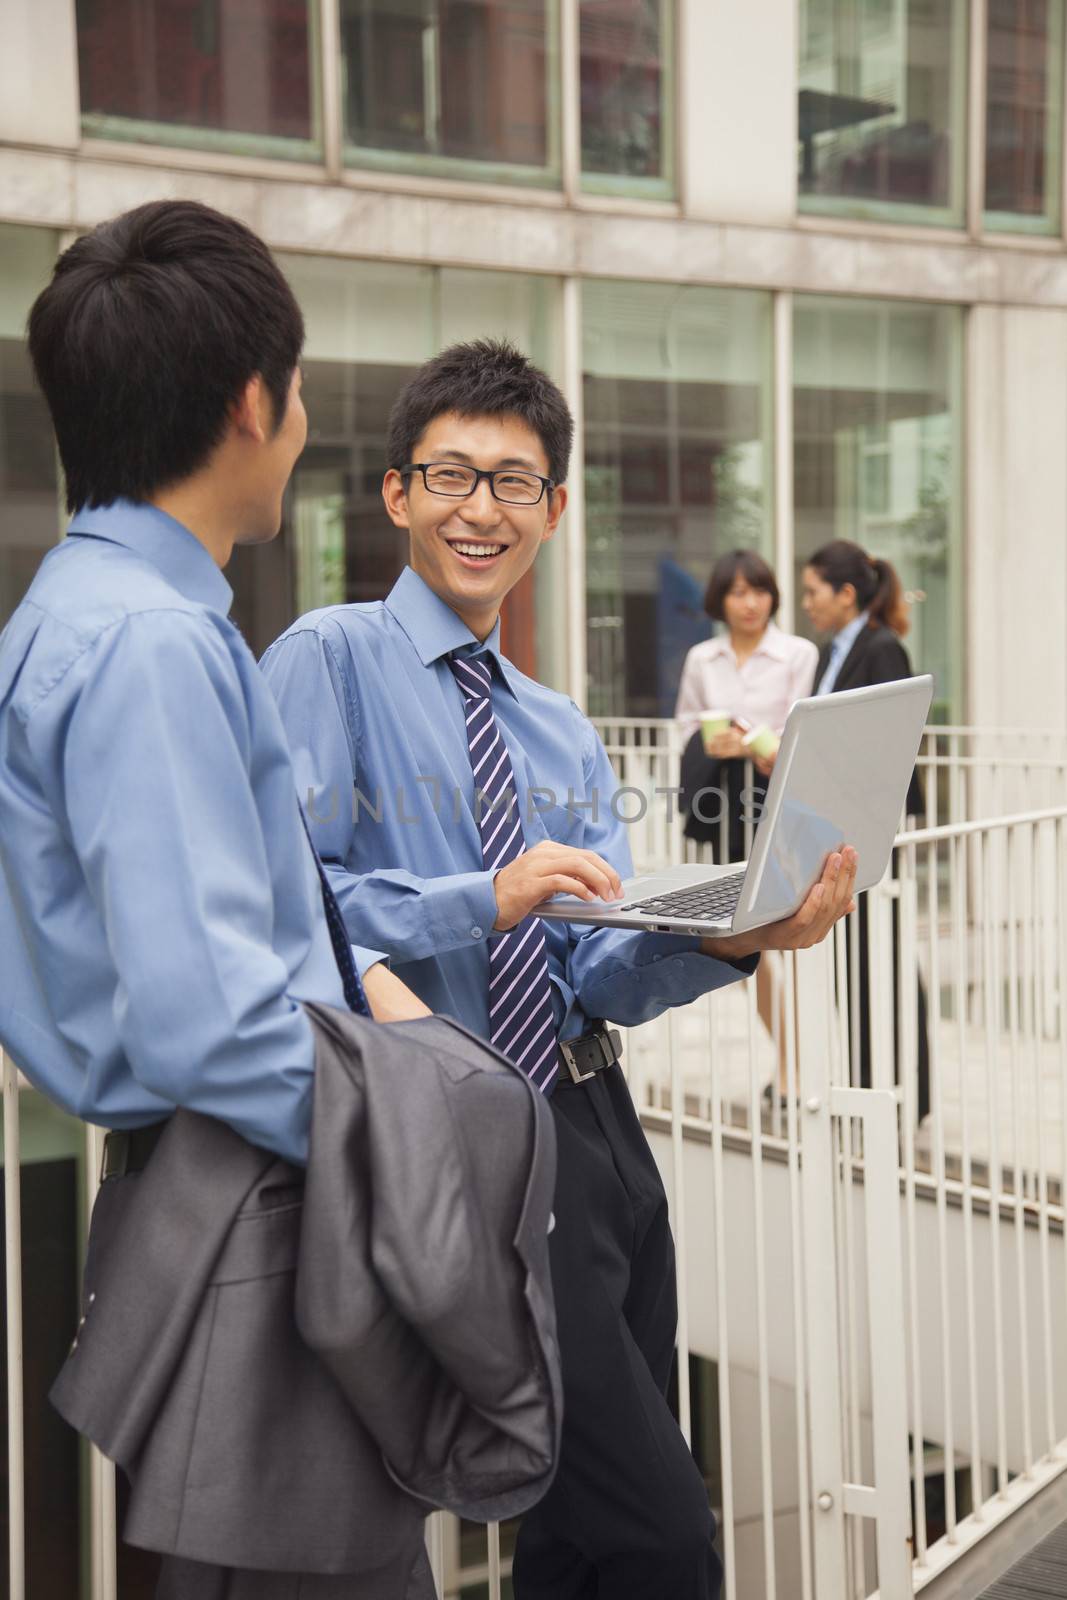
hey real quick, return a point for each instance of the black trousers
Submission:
(627, 1517)
(194, 1580)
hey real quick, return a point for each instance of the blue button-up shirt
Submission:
(844, 639)
(160, 910)
(375, 722)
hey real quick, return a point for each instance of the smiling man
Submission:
(449, 795)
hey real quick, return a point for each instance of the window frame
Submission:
(976, 224)
(1049, 225)
(115, 131)
(665, 187)
(953, 218)
(359, 158)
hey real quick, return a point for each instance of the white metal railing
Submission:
(965, 773)
(885, 1303)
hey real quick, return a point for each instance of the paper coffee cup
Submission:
(712, 723)
(762, 742)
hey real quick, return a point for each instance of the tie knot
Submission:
(472, 675)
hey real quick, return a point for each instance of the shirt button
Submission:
(476, 933)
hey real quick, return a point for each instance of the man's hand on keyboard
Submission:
(829, 901)
(548, 869)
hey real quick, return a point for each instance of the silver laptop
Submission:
(841, 777)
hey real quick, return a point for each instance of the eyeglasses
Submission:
(505, 484)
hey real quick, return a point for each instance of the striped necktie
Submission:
(522, 1023)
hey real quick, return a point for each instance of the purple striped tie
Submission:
(522, 1023)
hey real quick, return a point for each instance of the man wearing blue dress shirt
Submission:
(161, 912)
(386, 722)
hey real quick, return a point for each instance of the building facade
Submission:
(798, 265)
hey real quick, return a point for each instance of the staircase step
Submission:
(1040, 1575)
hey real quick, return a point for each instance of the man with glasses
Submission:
(449, 795)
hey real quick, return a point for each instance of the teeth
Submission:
(477, 549)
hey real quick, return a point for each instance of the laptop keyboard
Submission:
(706, 902)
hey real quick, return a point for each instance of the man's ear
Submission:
(252, 413)
(395, 496)
(557, 504)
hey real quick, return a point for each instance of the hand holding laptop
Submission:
(829, 901)
(841, 774)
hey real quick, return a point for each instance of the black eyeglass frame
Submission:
(547, 484)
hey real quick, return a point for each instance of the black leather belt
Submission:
(128, 1149)
(581, 1059)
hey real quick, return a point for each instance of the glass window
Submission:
(466, 88)
(880, 114)
(1024, 109)
(231, 74)
(876, 418)
(626, 59)
(677, 471)
(30, 507)
(369, 326)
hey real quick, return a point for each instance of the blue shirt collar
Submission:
(846, 637)
(166, 543)
(434, 628)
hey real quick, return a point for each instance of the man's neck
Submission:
(198, 510)
(479, 623)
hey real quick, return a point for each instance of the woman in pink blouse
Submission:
(751, 669)
(754, 671)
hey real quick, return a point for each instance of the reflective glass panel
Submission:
(369, 326)
(1024, 110)
(235, 74)
(677, 471)
(462, 87)
(880, 112)
(626, 94)
(30, 511)
(876, 418)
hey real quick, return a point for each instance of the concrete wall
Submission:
(39, 73)
(738, 86)
(1016, 539)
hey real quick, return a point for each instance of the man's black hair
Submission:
(151, 327)
(485, 378)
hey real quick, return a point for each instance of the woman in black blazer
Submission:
(858, 600)
(841, 585)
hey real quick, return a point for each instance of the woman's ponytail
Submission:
(877, 587)
(888, 604)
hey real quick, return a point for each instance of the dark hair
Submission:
(149, 330)
(878, 590)
(485, 378)
(738, 564)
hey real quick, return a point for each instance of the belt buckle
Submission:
(115, 1158)
(610, 1042)
(572, 1066)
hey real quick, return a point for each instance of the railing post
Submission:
(888, 1501)
(435, 1549)
(880, 980)
(16, 1454)
(103, 1550)
(820, 1273)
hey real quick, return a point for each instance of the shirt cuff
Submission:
(365, 959)
(467, 913)
(687, 944)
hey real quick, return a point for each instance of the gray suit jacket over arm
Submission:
(292, 1367)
